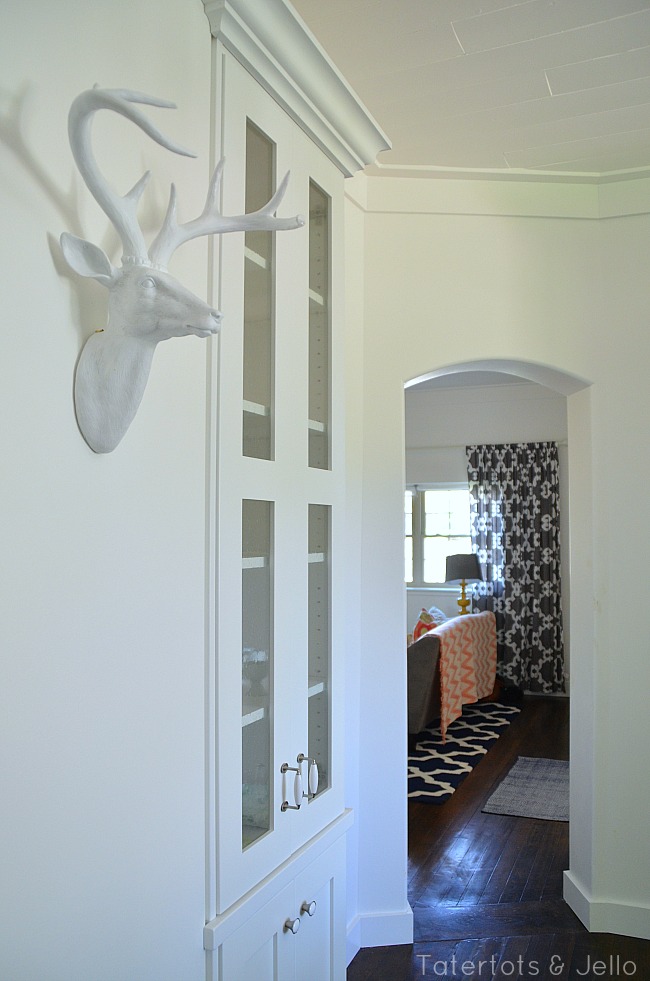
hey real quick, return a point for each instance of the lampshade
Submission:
(463, 567)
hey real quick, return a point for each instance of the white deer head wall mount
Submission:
(145, 303)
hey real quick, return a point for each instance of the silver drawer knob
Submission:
(308, 908)
(292, 926)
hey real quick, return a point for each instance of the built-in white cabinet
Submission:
(275, 723)
(298, 932)
(279, 631)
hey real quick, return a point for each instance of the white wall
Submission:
(103, 557)
(441, 421)
(446, 288)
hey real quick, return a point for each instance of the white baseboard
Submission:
(380, 930)
(606, 916)
(575, 895)
(353, 940)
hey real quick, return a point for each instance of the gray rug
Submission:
(534, 788)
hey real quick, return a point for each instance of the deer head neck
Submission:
(146, 303)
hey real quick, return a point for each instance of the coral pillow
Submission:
(424, 624)
(427, 621)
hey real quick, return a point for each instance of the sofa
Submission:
(423, 679)
(452, 665)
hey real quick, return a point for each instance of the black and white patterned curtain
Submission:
(515, 521)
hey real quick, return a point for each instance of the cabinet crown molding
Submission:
(282, 54)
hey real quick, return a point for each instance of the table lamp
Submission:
(462, 569)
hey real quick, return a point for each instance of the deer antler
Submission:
(120, 210)
(114, 364)
(212, 222)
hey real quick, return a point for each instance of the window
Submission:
(436, 524)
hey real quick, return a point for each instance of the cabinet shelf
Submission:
(317, 298)
(317, 427)
(316, 687)
(255, 562)
(253, 711)
(256, 258)
(256, 408)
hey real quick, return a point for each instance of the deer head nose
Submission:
(217, 317)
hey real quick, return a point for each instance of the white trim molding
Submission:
(386, 929)
(510, 174)
(606, 915)
(282, 54)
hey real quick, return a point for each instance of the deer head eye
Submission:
(148, 283)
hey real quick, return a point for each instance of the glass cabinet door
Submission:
(258, 302)
(257, 664)
(319, 648)
(319, 328)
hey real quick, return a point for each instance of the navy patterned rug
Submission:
(436, 770)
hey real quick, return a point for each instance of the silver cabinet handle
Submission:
(313, 778)
(308, 908)
(298, 792)
(312, 774)
(292, 926)
(297, 788)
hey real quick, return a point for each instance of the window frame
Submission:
(418, 532)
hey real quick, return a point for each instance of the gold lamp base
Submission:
(463, 602)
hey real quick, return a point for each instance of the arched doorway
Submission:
(577, 547)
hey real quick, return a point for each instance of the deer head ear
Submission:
(87, 259)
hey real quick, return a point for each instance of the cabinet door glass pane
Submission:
(257, 663)
(258, 302)
(319, 641)
(319, 328)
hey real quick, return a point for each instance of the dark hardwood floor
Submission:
(486, 890)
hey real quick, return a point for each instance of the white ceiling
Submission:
(559, 89)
